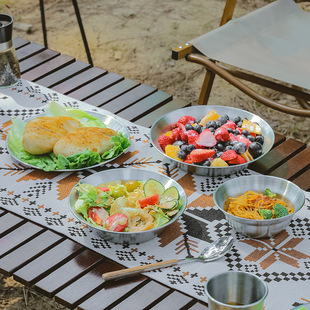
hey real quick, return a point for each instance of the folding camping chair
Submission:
(269, 47)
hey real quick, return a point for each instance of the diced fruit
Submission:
(218, 162)
(116, 222)
(210, 116)
(186, 120)
(222, 134)
(255, 149)
(182, 132)
(188, 159)
(206, 138)
(243, 139)
(238, 160)
(201, 155)
(163, 141)
(175, 135)
(172, 151)
(150, 200)
(229, 124)
(104, 189)
(168, 133)
(152, 187)
(251, 126)
(247, 156)
(229, 155)
(232, 137)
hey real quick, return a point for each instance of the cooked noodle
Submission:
(249, 204)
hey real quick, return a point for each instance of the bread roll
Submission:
(41, 133)
(78, 140)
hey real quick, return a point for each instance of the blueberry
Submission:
(229, 130)
(191, 147)
(235, 132)
(181, 154)
(237, 119)
(201, 163)
(212, 129)
(207, 163)
(188, 127)
(178, 143)
(218, 154)
(218, 124)
(197, 128)
(219, 147)
(239, 124)
(198, 120)
(210, 124)
(255, 149)
(223, 119)
(251, 138)
(260, 139)
(245, 132)
(239, 147)
(228, 147)
(184, 148)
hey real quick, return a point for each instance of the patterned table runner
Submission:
(283, 261)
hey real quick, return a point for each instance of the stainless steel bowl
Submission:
(259, 228)
(127, 174)
(164, 123)
(109, 120)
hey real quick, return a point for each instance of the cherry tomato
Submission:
(104, 189)
(98, 215)
(151, 200)
(116, 222)
(132, 185)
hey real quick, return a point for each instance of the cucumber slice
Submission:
(170, 204)
(170, 194)
(152, 187)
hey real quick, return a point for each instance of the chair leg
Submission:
(228, 11)
(79, 19)
(206, 88)
(43, 23)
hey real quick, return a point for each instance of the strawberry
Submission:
(232, 137)
(201, 155)
(206, 138)
(186, 120)
(239, 129)
(229, 124)
(175, 135)
(243, 139)
(222, 134)
(182, 132)
(229, 155)
(238, 160)
(188, 159)
(164, 140)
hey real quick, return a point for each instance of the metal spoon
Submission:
(212, 252)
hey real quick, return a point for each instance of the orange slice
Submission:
(211, 116)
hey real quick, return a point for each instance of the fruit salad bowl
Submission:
(211, 140)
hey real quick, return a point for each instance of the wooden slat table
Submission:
(58, 267)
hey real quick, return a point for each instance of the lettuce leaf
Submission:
(49, 162)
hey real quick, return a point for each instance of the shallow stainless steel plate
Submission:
(109, 120)
(164, 123)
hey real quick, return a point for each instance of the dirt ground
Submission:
(134, 38)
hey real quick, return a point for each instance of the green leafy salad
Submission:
(128, 206)
(49, 161)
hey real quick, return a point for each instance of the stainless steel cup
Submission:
(9, 65)
(236, 290)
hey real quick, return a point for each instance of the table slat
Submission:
(111, 293)
(303, 180)
(19, 42)
(150, 292)
(145, 106)
(79, 80)
(277, 156)
(48, 67)
(47, 262)
(63, 74)
(28, 50)
(68, 272)
(36, 60)
(293, 166)
(77, 291)
(28, 251)
(198, 306)
(8, 222)
(175, 300)
(96, 86)
(18, 236)
(129, 98)
(112, 92)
